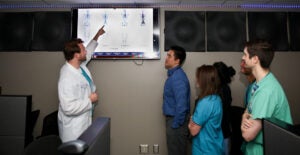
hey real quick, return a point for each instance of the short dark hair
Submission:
(263, 50)
(72, 47)
(179, 53)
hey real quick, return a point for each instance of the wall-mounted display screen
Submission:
(130, 33)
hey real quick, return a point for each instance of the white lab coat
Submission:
(74, 112)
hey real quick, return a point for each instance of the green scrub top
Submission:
(268, 101)
(248, 94)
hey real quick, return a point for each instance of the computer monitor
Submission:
(131, 33)
(280, 138)
(15, 123)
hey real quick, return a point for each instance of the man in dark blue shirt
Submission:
(176, 104)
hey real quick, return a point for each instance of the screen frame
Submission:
(131, 55)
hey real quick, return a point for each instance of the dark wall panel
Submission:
(295, 30)
(15, 31)
(185, 29)
(51, 30)
(226, 31)
(270, 26)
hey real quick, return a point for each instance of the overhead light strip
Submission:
(155, 5)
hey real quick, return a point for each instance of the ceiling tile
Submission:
(67, 1)
(112, 1)
(22, 2)
(239, 2)
(207, 2)
(155, 2)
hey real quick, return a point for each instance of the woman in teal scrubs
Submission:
(205, 123)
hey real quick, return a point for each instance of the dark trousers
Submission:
(177, 139)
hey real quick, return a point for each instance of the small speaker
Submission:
(294, 18)
(51, 30)
(270, 26)
(15, 31)
(226, 31)
(186, 29)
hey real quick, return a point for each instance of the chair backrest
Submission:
(46, 145)
(236, 136)
(32, 121)
(50, 126)
(97, 137)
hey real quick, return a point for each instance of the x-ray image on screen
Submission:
(129, 33)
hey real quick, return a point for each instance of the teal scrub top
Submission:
(208, 115)
(268, 101)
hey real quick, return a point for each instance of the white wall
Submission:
(130, 94)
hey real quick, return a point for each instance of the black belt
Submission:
(169, 116)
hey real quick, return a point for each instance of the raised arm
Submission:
(91, 47)
(99, 33)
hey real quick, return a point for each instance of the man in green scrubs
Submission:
(268, 99)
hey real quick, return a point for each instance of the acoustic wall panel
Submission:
(294, 25)
(185, 29)
(15, 31)
(270, 26)
(226, 31)
(51, 30)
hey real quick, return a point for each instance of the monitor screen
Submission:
(280, 138)
(130, 33)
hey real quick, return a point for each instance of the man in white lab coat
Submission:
(76, 89)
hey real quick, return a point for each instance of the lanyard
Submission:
(86, 76)
(254, 88)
